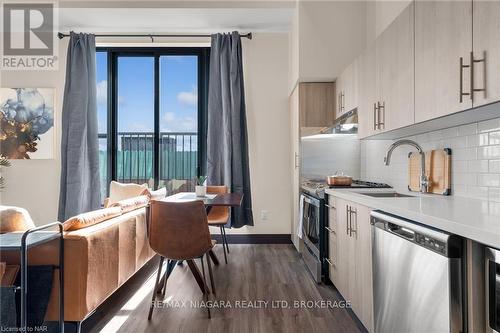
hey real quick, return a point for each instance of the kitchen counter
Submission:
(469, 218)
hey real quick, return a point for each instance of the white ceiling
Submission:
(174, 20)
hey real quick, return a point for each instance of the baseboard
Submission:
(255, 238)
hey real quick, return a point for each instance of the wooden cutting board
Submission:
(437, 170)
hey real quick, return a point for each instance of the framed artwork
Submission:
(27, 123)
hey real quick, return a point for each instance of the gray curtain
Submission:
(80, 188)
(227, 142)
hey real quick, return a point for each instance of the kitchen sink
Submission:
(386, 195)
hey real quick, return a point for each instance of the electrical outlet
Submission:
(264, 214)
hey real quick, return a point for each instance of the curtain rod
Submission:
(61, 35)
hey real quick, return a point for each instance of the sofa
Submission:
(101, 252)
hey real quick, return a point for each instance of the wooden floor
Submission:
(254, 273)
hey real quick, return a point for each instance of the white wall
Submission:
(266, 76)
(34, 184)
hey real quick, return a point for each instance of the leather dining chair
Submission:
(219, 216)
(179, 231)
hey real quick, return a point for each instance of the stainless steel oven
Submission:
(492, 290)
(312, 224)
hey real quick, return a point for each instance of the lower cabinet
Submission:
(350, 256)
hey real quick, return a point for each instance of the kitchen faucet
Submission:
(424, 182)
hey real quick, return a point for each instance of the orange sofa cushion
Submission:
(90, 218)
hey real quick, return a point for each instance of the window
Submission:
(152, 127)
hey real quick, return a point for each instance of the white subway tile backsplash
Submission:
(477, 140)
(494, 166)
(493, 208)
(494, 138)
(463, 178)
(477, 192)
(494, 194)
(488, 152)
(462, 154)
(477, 166)
(488, 179)
(460, 166)
(475, 160)
(458, 142)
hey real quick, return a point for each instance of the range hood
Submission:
(345, 124)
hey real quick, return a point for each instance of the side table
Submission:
(21, 242)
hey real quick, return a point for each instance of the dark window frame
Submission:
(113, 53)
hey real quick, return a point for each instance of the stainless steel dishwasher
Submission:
(417, 277)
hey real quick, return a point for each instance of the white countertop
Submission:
(469, 218)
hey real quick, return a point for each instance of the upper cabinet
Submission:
(435, 59)
(486, 52)
(386, 78)
(367, 110)
(316, 104)
(395, 73)
(347, 89)
(443, 41)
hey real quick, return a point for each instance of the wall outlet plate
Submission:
(264, 214)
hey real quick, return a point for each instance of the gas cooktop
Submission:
(316, 187)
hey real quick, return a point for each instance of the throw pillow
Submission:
(155, 195)
(128, 205)
(14, 219)
(90, 218)
(121, 191)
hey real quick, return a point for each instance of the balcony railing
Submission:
(178, 158)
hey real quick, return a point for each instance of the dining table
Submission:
(231, 200)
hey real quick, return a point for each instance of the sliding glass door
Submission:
(135, 97)
(178, 121)
(156, 115)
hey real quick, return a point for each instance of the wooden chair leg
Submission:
(223, 241)
(225, 238)
(212, 283)
(167, 274)
(205, 291)
(155, 288)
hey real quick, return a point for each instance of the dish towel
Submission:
(301, 214)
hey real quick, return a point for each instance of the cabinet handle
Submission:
(472, 62)
(354, 230)
(375, 116)
(381, 123)
(462, 66)
(330, 230)
(296, 160)
(342, 100)
(329, 262)
(347, 215)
